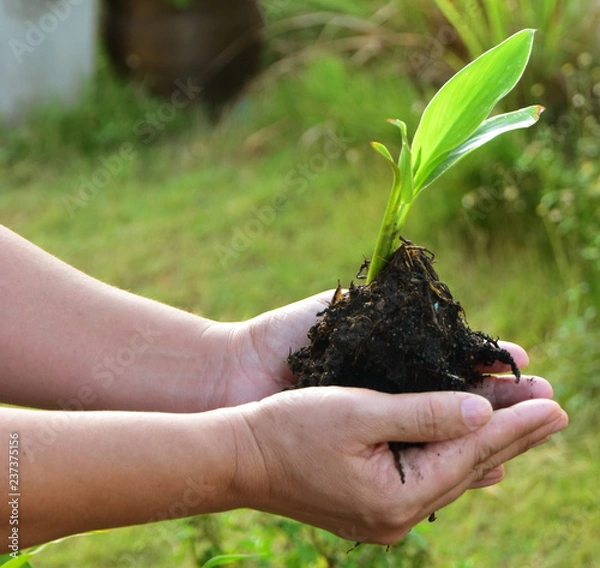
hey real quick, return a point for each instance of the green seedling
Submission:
(453, 124)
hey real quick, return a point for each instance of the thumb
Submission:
(421, 417)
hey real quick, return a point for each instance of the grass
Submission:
(279, 201)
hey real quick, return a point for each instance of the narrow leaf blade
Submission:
(404, 165)
(377, 146)
(227, 559)
(466, 100)
(488, 130)
(406, 170)
(20, 561)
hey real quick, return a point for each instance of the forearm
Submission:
(70, 341)
(82, 471)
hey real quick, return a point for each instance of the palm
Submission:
(258, 350)
(260, 346)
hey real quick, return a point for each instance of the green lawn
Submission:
(279, 201)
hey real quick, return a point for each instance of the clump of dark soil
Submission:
(402, 333)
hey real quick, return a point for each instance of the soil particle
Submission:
(401, 333)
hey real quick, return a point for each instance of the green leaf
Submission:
(488, 130)
(227, 559)
(383, 151)
(398, 204)
(20, 561)
(387, 231)
(405, 161)
(465, 101)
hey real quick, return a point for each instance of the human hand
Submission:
(320, 455)
(255, 364)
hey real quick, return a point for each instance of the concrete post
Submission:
(47, 51)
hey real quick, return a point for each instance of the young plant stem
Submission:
(399, 202)
(454, 123)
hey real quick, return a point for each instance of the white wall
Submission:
(47, 50)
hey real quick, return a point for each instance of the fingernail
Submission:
(558, 423)
(493, 476)
(476, 411)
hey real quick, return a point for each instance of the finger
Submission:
(557, 420)
(492, 466)
(492, 477)
(444, 470)
(504, 391)
(517, 353)
(419, 417)
(495, 463)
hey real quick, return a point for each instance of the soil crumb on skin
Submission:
(401, 333)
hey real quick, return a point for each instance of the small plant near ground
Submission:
(403, 331)
(453, 124)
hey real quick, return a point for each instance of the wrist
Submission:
(180, 372)
(199, 381)
(251, 482)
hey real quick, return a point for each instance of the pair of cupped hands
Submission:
(321, 455)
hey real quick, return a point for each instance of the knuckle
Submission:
(484, 461)
(429, 418)
(389, 520)
(384, 520)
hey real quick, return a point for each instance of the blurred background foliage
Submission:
(283, 196)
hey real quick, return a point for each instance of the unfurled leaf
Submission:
(453, 124)
(465, 101)
(490, 128)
